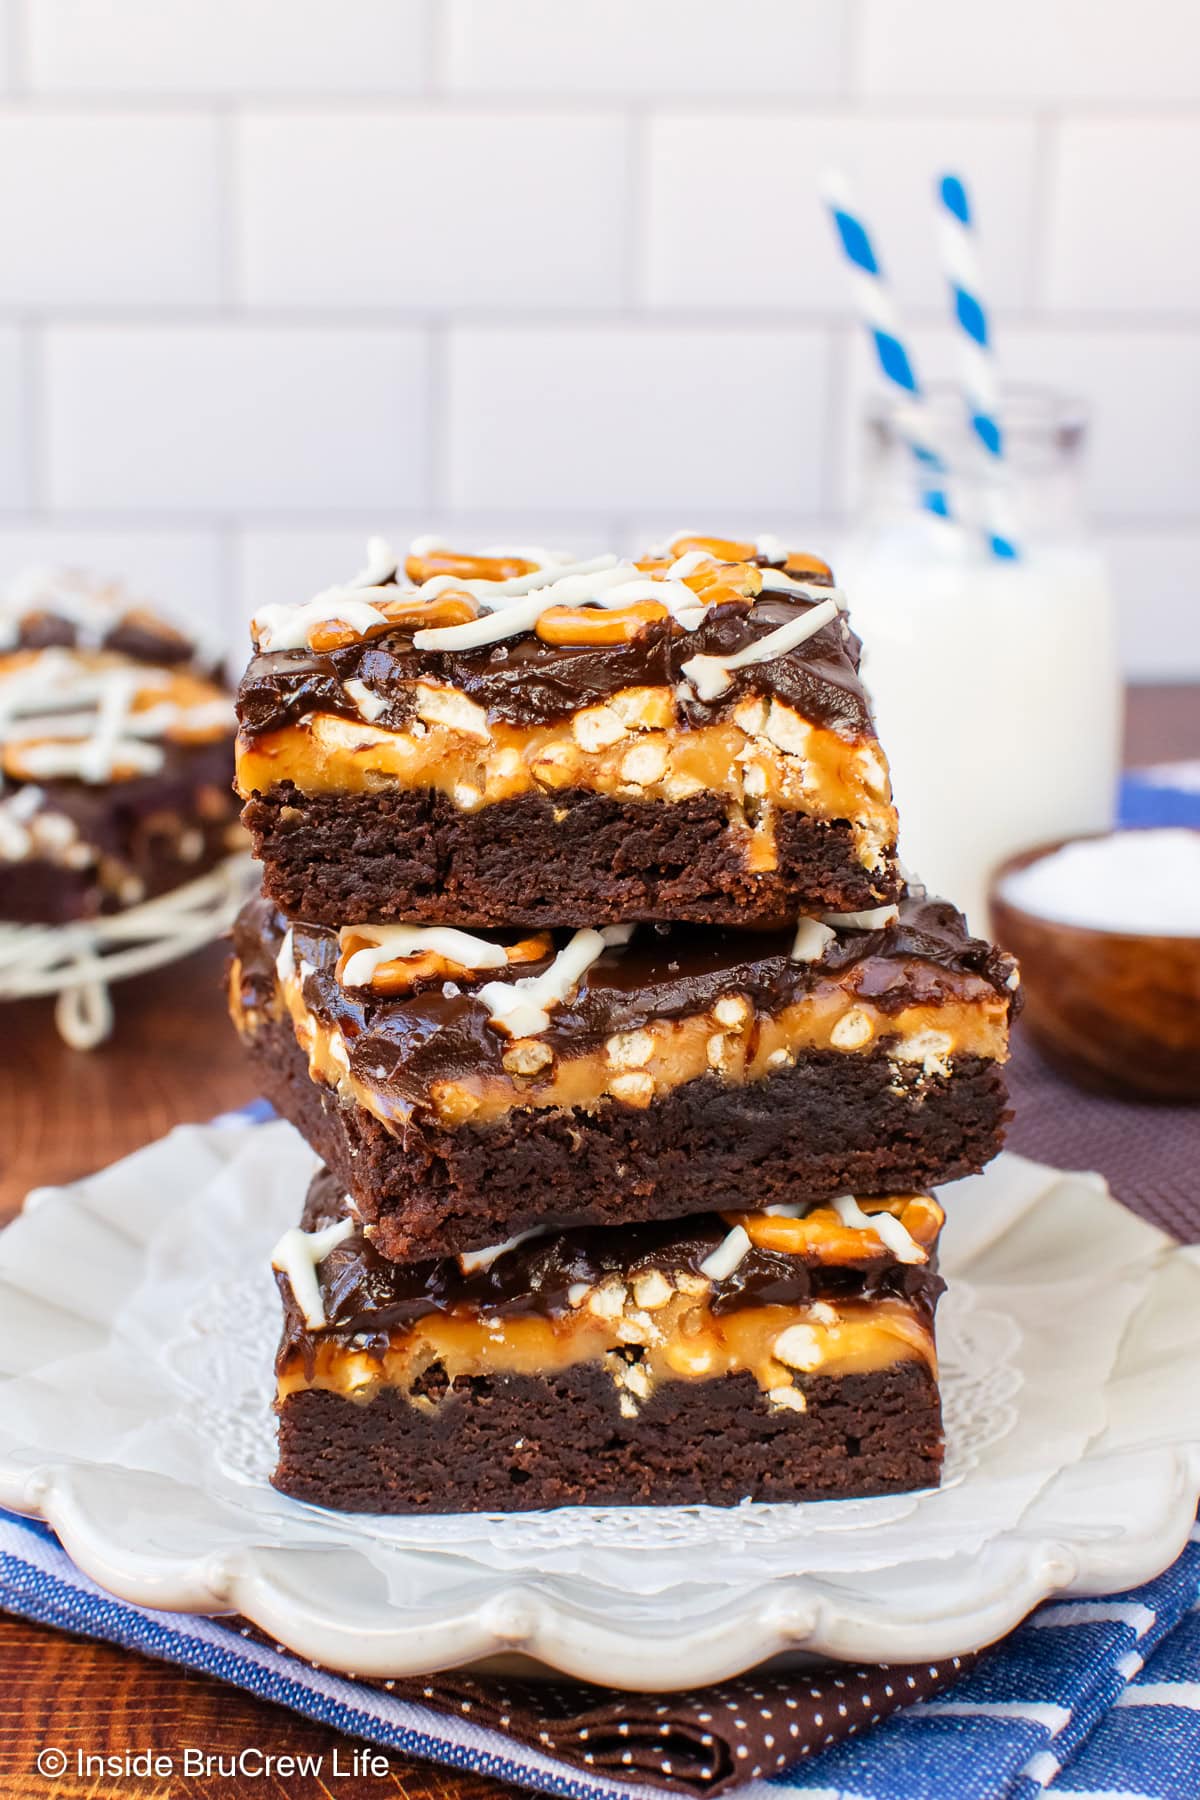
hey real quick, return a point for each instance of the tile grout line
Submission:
(437, 29)
(230, 282)
(835, 499)
(34, 421)
(548, 103)
(1047, 169)
(17, 46)
(1135, 327)
(439, 481)
(851, 50)
(636, 197)
(123, 520)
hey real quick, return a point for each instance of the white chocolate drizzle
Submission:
(349, 603)
(720, 1264)
(392, 943)
(16, 815)
(893, 1235)
(515, 604)
(773, 547)
(499, 594)
(521, 1008)
(872, 918)
(286, 627)
(471, 1261)
(778, 581)
(370, 704)
(298, 1254)
(72, 715)
(382, 565)
(285, 961)
(32, 830)
(711, 675)
(813, 936)
(489, 628)
(352, 603)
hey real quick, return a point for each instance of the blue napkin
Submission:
(1089, 1697)
(1161, 794)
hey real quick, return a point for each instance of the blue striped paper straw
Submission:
(883, 327)
(980, 384)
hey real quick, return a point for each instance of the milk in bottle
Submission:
(996, 684)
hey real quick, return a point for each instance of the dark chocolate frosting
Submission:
(523, 681)
(365, 1296)
(138, 636)
(400, 1045)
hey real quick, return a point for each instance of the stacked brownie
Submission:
(586, 964)
(116, 752)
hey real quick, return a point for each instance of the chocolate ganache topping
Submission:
(524, 681)
(365, 1297)
(401, 1045)
(138, 636)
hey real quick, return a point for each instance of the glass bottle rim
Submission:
(1041, 425)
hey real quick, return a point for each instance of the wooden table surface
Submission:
(64, 1113)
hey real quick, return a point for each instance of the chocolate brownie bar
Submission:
(116, 752)
(785, 1356)
(465, 1088)
(518, 739)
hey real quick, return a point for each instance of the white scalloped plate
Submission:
(136, 1317)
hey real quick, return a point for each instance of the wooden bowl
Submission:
(1114, 1010)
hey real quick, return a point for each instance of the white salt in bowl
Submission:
(1107, 931)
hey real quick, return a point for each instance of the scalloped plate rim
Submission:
(839, 1618)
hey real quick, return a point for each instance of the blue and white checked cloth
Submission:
(1092, 1698)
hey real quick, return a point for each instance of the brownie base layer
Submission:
(569, 859)
(33, 892)
(513, 1443)
(830, 1125)
(36, 892)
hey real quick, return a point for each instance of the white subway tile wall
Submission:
(277, 272)
(689, 416)
(432, 209)
(233, 418)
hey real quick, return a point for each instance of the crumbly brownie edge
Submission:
(832, 1124)
(573, 858)
(513, 1443)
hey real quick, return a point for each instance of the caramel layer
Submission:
(682, 1340)
(824, 1241)
(763, 758)
(637, 1066)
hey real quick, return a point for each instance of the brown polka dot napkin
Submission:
(700, 1741)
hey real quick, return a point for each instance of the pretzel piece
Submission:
(598, 625)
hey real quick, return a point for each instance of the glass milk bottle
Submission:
(996, 685)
